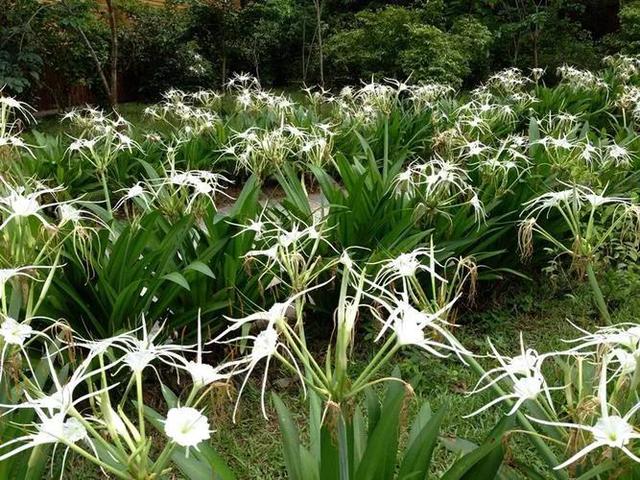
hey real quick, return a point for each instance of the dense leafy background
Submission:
(189, 43)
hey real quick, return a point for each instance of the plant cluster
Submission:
(147, 275)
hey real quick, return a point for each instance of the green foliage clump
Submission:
(159, 53)
(400, 42)
(447, 57)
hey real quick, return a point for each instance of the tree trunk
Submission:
(318, 5)
(96, 60)
(304, 35)
(113, 97)
(223, 48)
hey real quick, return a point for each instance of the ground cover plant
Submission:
(312, 258)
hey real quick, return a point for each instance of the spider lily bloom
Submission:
(13, 334)
(439, 175)
(612, 431)
(274, 316)
(16, 105)
(255, 226)
(473, 149)
(291, 250)
(18, 204)
(62, 398)
(17, 142)
(69, 213)
(523, 389)
(271, 254)
(623, 336)
(525, 375)
(51, 429)
(411, 325)
(7, 274)
(265, 346)
(136, 191)
(627, 361)
(590, 153)
(122, 343)
(140, 353)
(573, 198)
(405, 183)
(580, 79)
(527, 363)
(203, 374)
(537, 74)
(197, 183)
(479, 213)
(187, 427)
(561, 143)
(406, 266)
(618, 155)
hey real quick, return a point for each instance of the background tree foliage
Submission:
(198, 43)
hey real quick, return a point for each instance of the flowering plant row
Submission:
(136, 278)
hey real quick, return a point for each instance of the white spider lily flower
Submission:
(625, 336)
(590, 153)
(537, 73)
(15, 104)
(404, 183)
(16, 141)
(198, 183)
(561, 143)
(525, 375)
(254, 226)
(527, 363)
(426, 330)
(122, 342)
(523, 389)
(70, 213)
(138, 360)
(18, 204)
(80, 144)
(203, 374)
(289, 237)
(271, 253)
(439, 174)
(278, 313)
(407, 265)
(187, 427)
(479, 213)
(63, 396)
(50, 430)
(15, 333)
(136, 191)
(474, 148)
(627, 361)
(618, 155)
(612, 431)
(140, 353)
(265, 345)
(576, 197)
(549, 200)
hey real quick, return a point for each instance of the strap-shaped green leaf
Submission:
(291, 446)
(417, 459)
